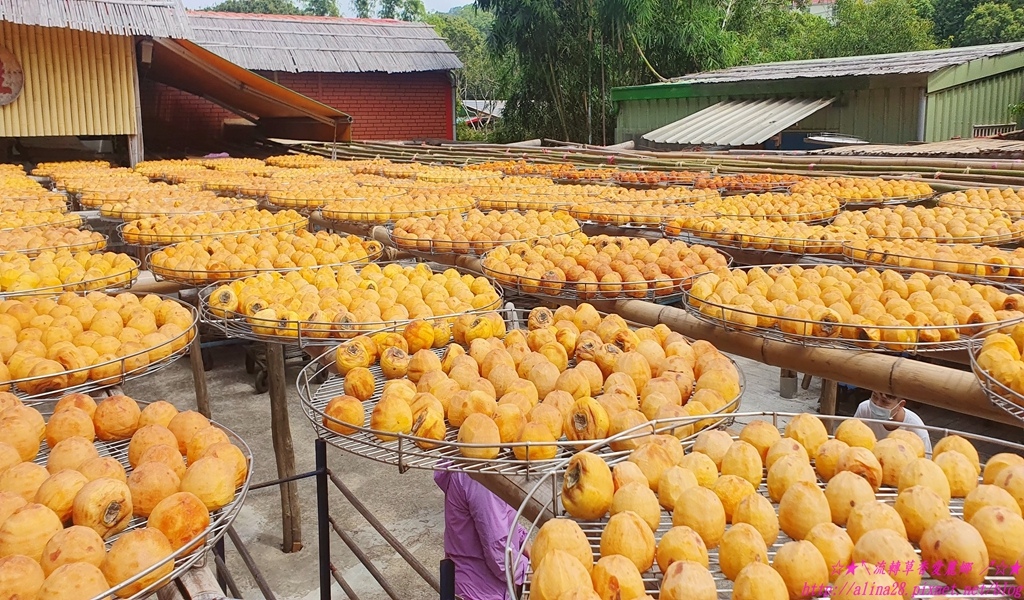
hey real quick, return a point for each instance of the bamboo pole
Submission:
(934, 385)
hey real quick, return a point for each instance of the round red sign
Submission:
(12, 77)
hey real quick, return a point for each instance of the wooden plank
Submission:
(284, 450)
(198, 583)
(514, 489)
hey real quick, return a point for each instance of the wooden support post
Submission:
(829, 389)
(787, 383)
(284, 450)
(198, 583)
(195, 359)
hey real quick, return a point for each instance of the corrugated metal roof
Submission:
(297, 44)
(158, 18)
(926, 61)
(737, 122)
(490, 107)
(968, 148)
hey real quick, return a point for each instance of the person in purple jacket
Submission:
(477, 524)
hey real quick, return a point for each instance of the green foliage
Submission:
(328, 8)
(479, 19)
(478, 79)
(406, 10)
(875, 27)
(261, 7)
(992, 23)
(950, 16)
(322, 8)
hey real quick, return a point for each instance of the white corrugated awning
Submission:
(737, 122)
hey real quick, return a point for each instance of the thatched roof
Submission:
(157, 18)
(299, 44)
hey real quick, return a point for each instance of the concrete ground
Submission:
(409, 504)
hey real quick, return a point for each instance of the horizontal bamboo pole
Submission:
(943, 387)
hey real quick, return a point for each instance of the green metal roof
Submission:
(819, 76)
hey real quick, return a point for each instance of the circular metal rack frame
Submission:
(98, 284)
(568, 291)
(652, 578)
(1000, 394)
(126, 373)
(156, 240)
(90, 246)
(404, 452)
(237, 325)
(154, 213)
(194, 277)
(980, 272)
(762, 243)
(356, 217)
(428, 247)
(1015, 213)
(73, 220)
(184, 558)
(886, 339)
(10, 204)
(866, 203)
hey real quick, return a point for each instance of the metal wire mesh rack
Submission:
(111, 282)
(992, 271)
(407, 451)
(307, 333)
(52, 219)
(665, 290)
(96, 242)
(427, 247)
(1001, 394)
(154, 240)
(1014, 208)
(198, 277)
(111, 372)
(995, 582)
(190, 554)
(342, 214)
(128, 212)
(837, 333)
(825, 245)
(866, 203)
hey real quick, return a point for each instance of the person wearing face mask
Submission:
(890, 408)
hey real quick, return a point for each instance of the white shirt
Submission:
(910, 419)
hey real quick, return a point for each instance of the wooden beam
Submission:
(938, 386)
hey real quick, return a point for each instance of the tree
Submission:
(877, 27)
(406, 10)
(950, 16)
(260, 7)
(992, 23)
(327, 8)
(323, 8)
(478, 79)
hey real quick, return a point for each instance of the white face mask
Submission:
(878, 412)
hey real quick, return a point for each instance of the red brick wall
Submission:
(171, 117)
(401, 106)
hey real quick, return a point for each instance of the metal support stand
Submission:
(195, 358)
(323, 519)
(829, 391)
(327, 571)
(284, 450)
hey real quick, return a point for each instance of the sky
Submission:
(346, 5)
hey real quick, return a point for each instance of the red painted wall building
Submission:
(393, 78)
